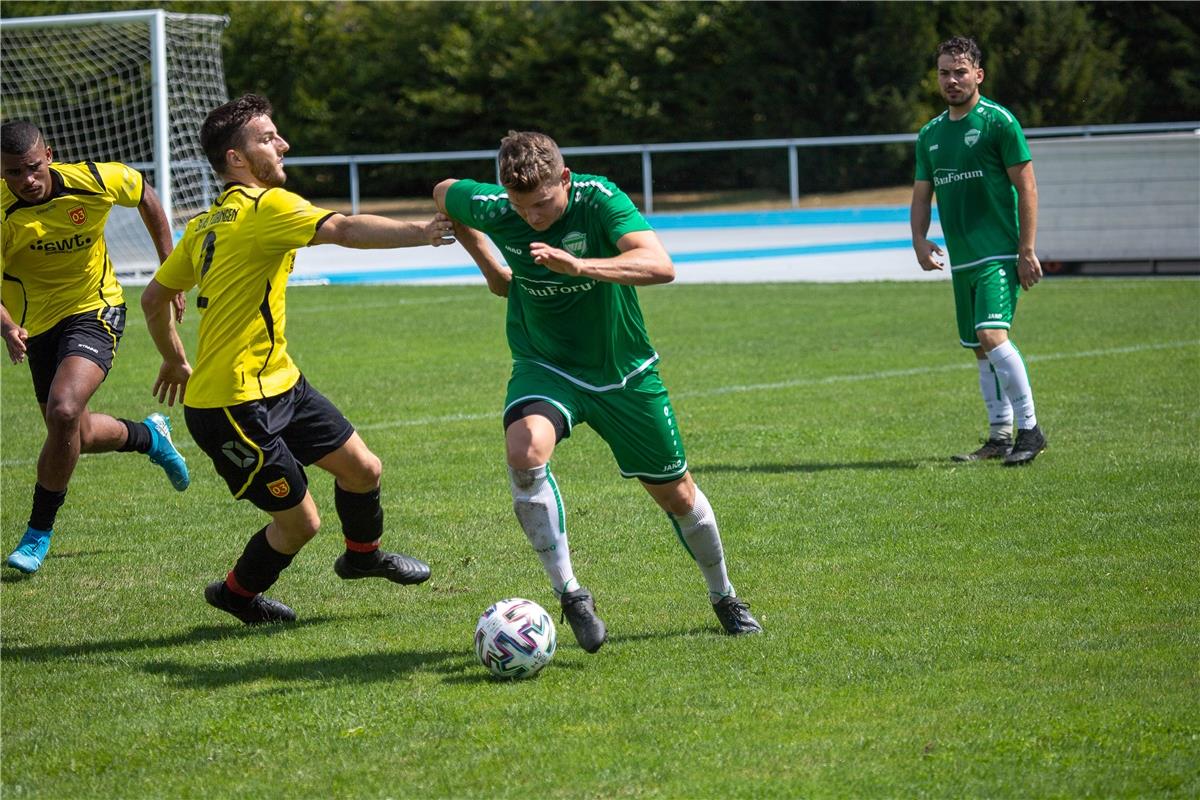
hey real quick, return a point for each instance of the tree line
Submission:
(382, 77)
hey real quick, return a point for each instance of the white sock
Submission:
(999, 410)
(697, 530)
(1010, 369)
(540, 511)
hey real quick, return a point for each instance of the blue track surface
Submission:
(795, 244)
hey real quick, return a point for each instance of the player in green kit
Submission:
(577, 247)
(974, 157)
(247, 404)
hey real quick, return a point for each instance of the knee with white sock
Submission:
(1014, 379)
(698, 532)
(540, 512)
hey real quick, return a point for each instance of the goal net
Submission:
(129, 86)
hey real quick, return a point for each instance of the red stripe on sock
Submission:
(362, 547)
(232, 583)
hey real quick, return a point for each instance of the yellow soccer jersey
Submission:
(55, 260)
(240, 253)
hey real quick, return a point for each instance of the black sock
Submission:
(139, 439)
(45, 507)
(258, 568)
(362, 524)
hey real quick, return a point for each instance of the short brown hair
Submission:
(961, 46)
(223, 127)
(528, 159)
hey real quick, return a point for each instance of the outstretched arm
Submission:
(920, 213)
(643, 261)
(1029, 268)
(157, 225)
(371, 232)
(174, 373)
(497, 275)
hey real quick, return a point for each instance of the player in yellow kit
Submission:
(64, 312)
(246, 403)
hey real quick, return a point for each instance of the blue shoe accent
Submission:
(163, 453)
(31, 551)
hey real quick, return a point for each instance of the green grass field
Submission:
(933, 630)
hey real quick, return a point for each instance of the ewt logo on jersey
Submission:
(575, 243)
(971, 137)
(76, 242)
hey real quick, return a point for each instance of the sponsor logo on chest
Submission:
(943, 177)
(556, 289)
(68, 245)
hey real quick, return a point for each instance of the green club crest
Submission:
(575, 243)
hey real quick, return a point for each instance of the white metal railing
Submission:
(646, 150)
(353, 162)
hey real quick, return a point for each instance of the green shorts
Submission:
(985, 297)
(636, 421)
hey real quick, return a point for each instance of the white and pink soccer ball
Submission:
(515, 638)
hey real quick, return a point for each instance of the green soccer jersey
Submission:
(967, 161)
(590, 332)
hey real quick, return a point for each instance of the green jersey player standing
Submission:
(576, 248)
(974, 157)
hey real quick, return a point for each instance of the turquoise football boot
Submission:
(163, 453)
(31, 551)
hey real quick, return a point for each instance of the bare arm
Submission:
(643, 261)
(14, 336)
(371, 232)
(1029, 268)
(497, 274)
(157, 225)
(155, 220)
(920, 214)
(174, 373)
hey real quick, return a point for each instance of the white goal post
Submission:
(129, 86)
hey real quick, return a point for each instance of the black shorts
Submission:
(93, 335)
(261, 447)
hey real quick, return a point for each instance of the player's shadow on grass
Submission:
(570, 657)
(203, 633)
(384, 665)
(819, 466)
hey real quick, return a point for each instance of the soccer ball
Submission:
(515, 638)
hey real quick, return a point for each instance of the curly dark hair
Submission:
(961, 46)
(224, 127)
(527, 160)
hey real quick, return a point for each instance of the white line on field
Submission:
(866, 376)
(906, 373)
(388, 304)
(758, 387)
